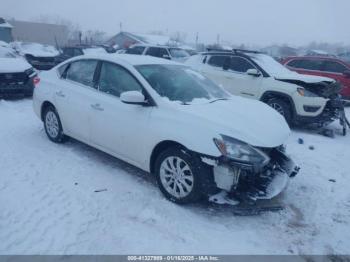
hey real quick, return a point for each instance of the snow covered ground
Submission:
(48, 204)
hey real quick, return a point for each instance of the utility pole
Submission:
(80, 35)
(121, 26)
(218, 39)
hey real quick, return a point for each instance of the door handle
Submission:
(60, 94)
(97, 107)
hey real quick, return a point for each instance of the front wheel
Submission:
(179, 175)
(281, 107)
(53, 126)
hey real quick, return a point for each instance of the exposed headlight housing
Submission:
(241, 152)
(306, 93)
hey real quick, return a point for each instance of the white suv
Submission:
(299, 98)
(166, 52)
(169, 120)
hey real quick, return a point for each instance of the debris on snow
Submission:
(100, 190)
(222, 199)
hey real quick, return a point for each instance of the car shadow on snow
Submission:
(203, 207)
(108, 160)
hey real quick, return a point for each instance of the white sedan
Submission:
(171, 121)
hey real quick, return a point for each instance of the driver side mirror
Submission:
(133, 98)
(253, 72)
(347, 73)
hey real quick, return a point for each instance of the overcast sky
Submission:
(259, 22)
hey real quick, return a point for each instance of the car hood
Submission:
(13, 65)
(292, 76)
(247, 120)
(36, 53)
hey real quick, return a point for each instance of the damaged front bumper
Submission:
(249, 182)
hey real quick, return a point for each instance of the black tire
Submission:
(202, 175)
(282, 107)
(59, 137)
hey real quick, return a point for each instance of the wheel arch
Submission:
(274, 94)
(45, 105)
(160, 147)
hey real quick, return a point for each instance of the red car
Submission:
(322, 66)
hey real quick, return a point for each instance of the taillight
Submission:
(36, 80)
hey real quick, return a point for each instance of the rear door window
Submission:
(136, 50)
(217, 61)
(153, 51)
(163, 53)
(82, 72)
(239, 64)
(156, 51)
(334, 67)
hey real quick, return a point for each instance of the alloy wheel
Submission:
(278, 108)
(51, 123)
(176, 177)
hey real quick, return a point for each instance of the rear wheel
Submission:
(281, 107)
(180, 175)
(53, 126)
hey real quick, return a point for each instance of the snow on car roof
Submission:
(35, 49)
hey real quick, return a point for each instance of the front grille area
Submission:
(13, 78)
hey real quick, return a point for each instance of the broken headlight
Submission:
(240, 151)
(306, 93)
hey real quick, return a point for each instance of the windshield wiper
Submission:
(219, 99)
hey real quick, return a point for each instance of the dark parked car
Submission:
(41, 57)
(322, 66)
(17, 77)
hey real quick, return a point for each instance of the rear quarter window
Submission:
(62, 69)
(334, 67)
(82, 71)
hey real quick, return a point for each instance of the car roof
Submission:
(133, 60)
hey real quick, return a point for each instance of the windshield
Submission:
(5, 53)
(180, 83)
(270, 65)
(178, 53)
